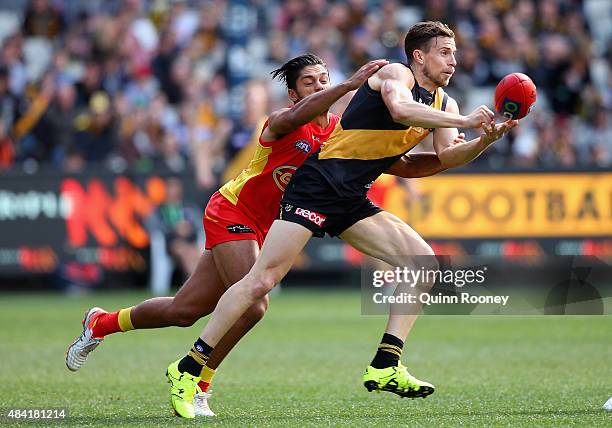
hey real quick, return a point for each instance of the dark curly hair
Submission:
(290, 71)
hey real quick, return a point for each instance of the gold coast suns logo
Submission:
(282, 175)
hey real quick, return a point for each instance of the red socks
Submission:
(115, 322)
(106, 324)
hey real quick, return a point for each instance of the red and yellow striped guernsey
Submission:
(258, 189)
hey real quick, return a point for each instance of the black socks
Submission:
(389, 352)
(193, 362)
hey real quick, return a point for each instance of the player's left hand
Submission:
(494, 132)
(364, 73)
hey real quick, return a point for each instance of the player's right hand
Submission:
(480, 117)
(361, 75)
(496, 131)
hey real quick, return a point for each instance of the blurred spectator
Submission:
(42, 20)
(175, 242)
(57, 130)
(25, 128)
(11, 57)
(9, 110)
(97, 130)
(594, 139)
(7, 151)
(256, 106)
(162, 66)
(90, 83)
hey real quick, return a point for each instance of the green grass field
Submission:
(302, 367)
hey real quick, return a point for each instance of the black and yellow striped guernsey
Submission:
(366, 142)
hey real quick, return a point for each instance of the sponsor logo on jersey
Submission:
(314, 217)
(239, 228)
(282, 175)
(303, 145)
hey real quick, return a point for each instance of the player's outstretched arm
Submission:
(286, 120)
(393, 82)
(452, 148)
(416, 165)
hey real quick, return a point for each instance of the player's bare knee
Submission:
(263, 304)
(424, 254)
(430, 262)
(256, 312)
(263, 283)
(419, 257)
(416, 254)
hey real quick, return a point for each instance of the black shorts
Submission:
(311, 202)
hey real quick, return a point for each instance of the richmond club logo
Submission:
(282, 175)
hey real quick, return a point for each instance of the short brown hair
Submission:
(421, 34)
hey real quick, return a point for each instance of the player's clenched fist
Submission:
(476, 119)
(361, 75)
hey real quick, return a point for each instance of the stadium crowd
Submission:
(165, 83)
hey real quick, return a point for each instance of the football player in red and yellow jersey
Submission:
(236, 221)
